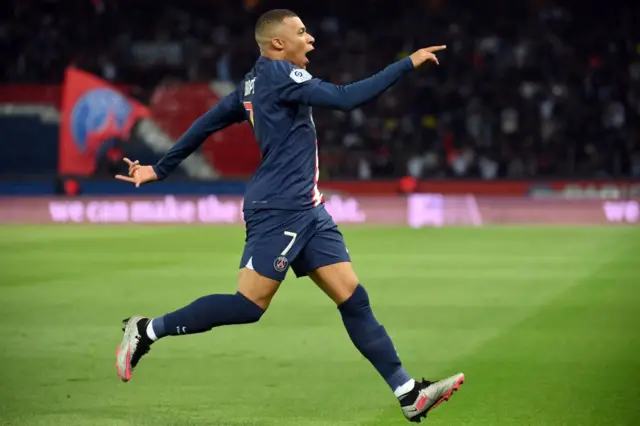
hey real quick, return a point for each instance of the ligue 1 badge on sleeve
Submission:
(299, 75)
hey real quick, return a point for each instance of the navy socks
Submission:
(371, 338)
(206, 313)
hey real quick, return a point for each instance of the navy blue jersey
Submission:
(288, 174)
(276, 98)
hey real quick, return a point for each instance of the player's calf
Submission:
(416, 398)
(205, 313)
(372, 340)
(201, 315)
(246, 306)
(340, 283)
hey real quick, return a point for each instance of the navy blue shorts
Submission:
(304, 240)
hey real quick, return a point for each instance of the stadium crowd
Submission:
(524, 89)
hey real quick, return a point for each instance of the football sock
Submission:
(206, 313)
(404, 389)
(372, 340)
(151, 332)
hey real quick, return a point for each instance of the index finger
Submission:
(435, 48)
(126, 178)
(126, 160)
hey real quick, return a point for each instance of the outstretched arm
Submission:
(225, 113)
(315, 92)
(228, 111)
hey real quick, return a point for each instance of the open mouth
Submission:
(306, 58)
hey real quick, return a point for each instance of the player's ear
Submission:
(277, 43)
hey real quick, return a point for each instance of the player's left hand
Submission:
(138, 174)
(426, 54)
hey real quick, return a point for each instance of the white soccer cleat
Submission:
(135, 343)
(427, 395)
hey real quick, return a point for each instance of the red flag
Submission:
(93, 111)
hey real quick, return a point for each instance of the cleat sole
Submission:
(447, 395)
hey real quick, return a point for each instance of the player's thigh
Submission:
(326, 260)
(257, 288)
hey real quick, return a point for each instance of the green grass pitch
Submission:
(544, 322)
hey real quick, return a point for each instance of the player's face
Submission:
(297, 41)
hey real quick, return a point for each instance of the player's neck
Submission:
(273, 55)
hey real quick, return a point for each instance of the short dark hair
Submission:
(274, 16)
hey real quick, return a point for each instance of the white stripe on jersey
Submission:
(317, 196)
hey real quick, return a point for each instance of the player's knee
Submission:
(257, 288)
(254, 317)
(251, 312)
(338, 281)
(357, 304)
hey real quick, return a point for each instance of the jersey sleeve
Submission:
(293, 84)
(297, 85)
(225, 113)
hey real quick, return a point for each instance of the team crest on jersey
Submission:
(299, 75)
(281, 263)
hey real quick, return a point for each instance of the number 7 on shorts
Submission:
(293, 236)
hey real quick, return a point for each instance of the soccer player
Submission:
(286, 221)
